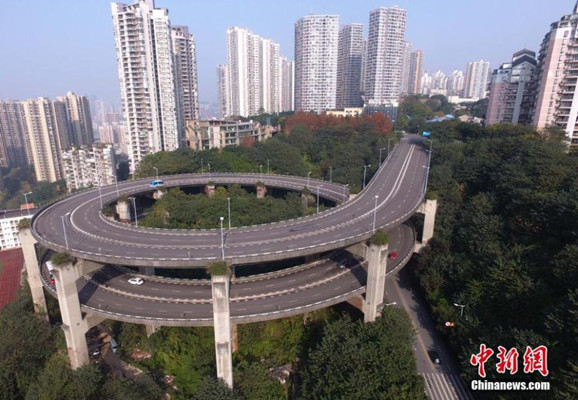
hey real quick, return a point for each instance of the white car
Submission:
(136, 281)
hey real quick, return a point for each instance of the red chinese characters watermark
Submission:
(481, 358)
(508, 361)
(534, 360)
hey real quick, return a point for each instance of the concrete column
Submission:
(123, 211)
(73, 325)
(375, 288)
(306, 199)
(235, 338)
(222, 325)
(210, 190)
(149, 271)
(430, 207)
(150, 329)
(261, 191)
(33, 270)
(158, 194)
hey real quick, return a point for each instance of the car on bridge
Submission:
(157, 183)
(393, 255)
(136, 281)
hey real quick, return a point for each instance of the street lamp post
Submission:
(209, 165)
(116, 183)
(222, 239)
(100, 192)
(380, 150)
(268, 169)
(375, 212)
(229, 210)
(202, 167)
(157, 171)
(365, 173)
(308, 174)
(26, 201)
(317, 198)
(388, 140)
(330, 174)
(261, 172)
(346, 185)
(461, 306)
(64, 228)
(134, 206)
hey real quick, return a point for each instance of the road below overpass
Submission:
(77, 226)
(258, 298)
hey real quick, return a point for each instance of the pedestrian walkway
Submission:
(445, 387)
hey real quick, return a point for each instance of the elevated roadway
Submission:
(392, 196)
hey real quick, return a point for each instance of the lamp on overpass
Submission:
(100, 191)
(116, 183)
(388, 140)
(134, 205)
(318, 198)
(64, 228)
(461, 306)
(261, 172)
(330, 174)
(375, 212)
(346, 185)
(26, 201)
(229, 210)
(209, 165)
(222, 239)
(365, 173)
(268, 169)
(308, 175)
(157, 171)
(380, 150)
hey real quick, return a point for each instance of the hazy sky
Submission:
(48, 47)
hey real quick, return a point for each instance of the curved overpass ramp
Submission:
(389, 199)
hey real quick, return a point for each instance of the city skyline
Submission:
(91, 68)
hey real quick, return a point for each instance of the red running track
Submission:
(12, 261)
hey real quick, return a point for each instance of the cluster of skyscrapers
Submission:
(38, 131)
(540, 91)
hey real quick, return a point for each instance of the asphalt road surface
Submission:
(77, 226)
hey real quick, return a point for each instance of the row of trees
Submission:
(506, 247)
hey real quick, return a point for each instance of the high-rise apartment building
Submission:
(385, 50)
(476, 82)
(557, 75)
(80, 120)
(148, 75)
(47, 129)
(316, 43)
(511, 96)
(92, 165)
(253, 78)
(456, 83)
(223, 87)
(184, 51)
(14, 144)
(287, 84)
(414, 74)
(405, 67)
(363, 67)
(350, 48)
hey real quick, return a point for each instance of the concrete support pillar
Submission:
(149, 271)
(261, 191)
(73, 325)
(235, 338)
(210, 190)
(33, 270)
(357, 302)
(123, 211)
(430, 208)
(222, 325)
(306, 199)
(158, 194)
(150, 329)
(375, 288)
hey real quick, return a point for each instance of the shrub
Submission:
(379, 238)
(60, 258)
(218, 268)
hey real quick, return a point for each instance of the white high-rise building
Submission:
(316, 42)
(456, 83)
(86, 166)
(184, 51)
(223, 87)
(385, 50)
(557, 73)
(406, 66)
(363, 67)
(147, 74)
(349, 56)
(414, 74)
(287, 87)
(476, 81)
(253, 81)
